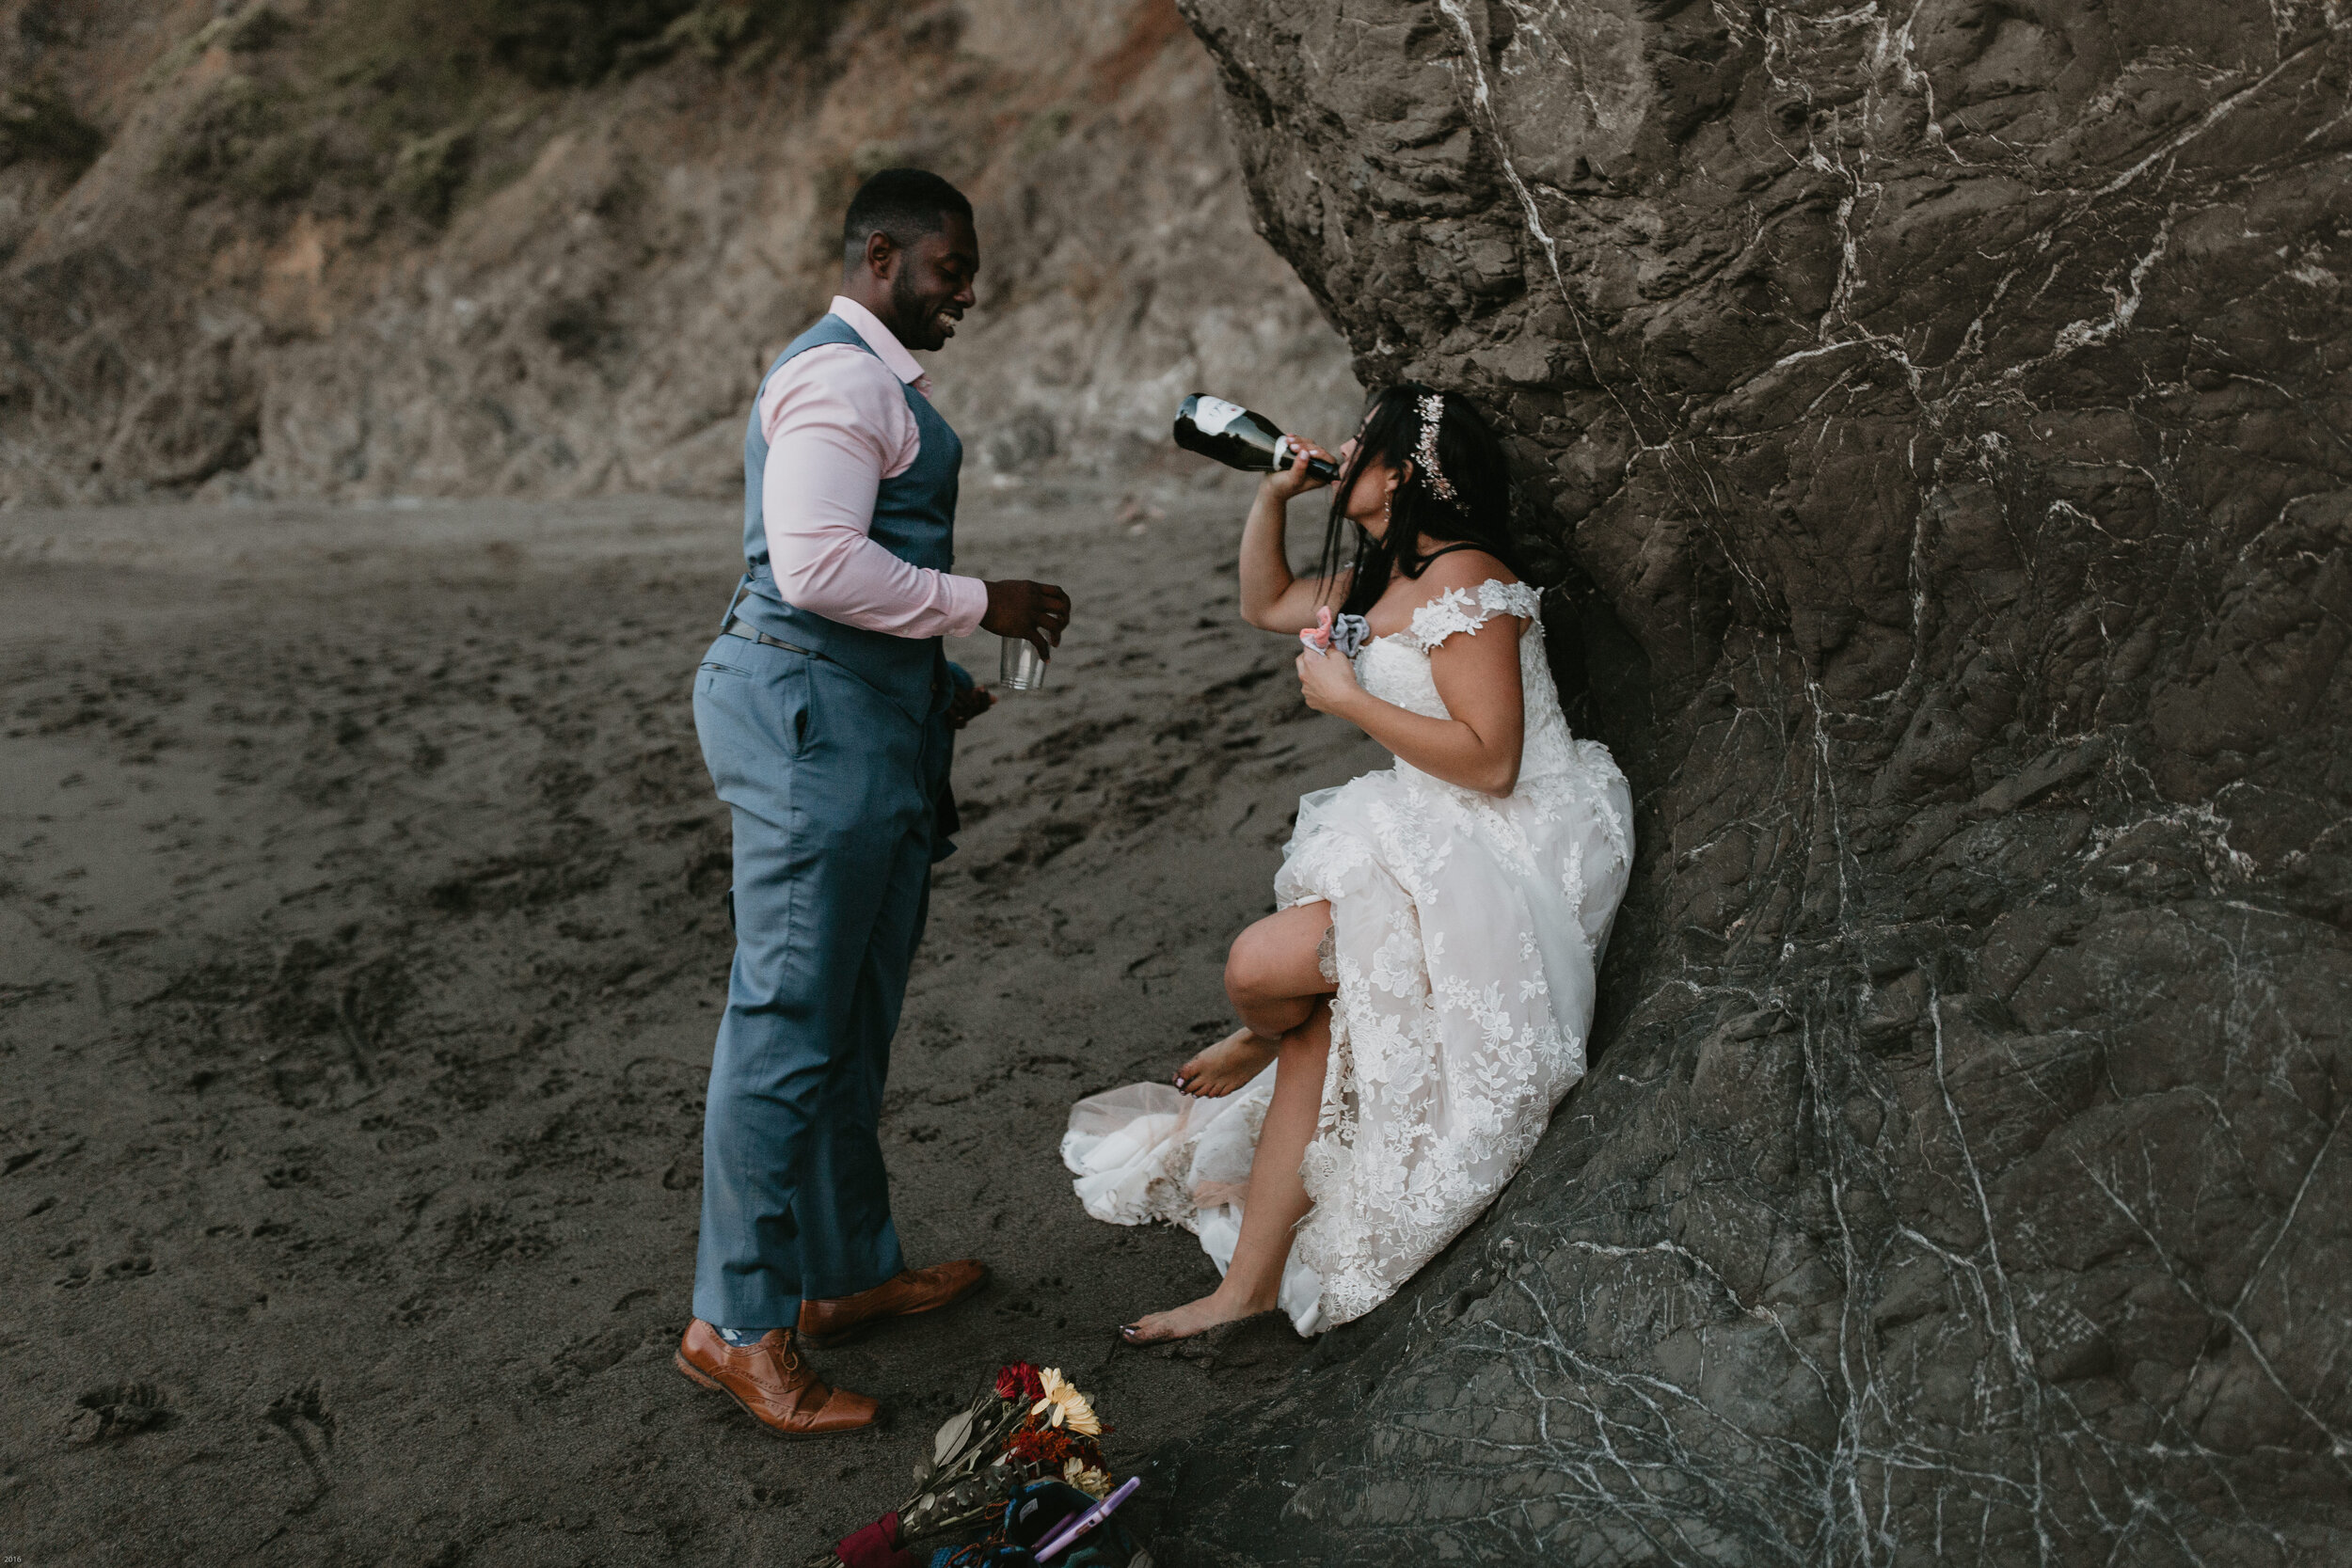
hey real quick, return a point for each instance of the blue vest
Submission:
(914, 519)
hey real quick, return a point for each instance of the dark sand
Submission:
(360, 939)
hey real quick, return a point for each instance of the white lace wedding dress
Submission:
(1466, 928)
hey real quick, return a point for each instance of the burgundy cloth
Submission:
(875, 1547)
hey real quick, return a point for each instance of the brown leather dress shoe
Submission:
(905, 1294)
(772, 1384)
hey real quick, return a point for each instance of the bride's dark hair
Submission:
(1471, 461)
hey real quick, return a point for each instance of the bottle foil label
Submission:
(1210, 415)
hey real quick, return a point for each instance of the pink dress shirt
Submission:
(837, 425)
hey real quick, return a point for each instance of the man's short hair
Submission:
(905, 204)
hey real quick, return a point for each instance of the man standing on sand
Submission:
(826, 711)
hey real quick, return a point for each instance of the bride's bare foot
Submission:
(1182, 1322)
(1226, 1065)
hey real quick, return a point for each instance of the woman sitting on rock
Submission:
(1418, 1002)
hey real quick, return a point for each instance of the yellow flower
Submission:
(1097, 1482)
(1070, 1406)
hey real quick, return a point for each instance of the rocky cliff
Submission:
(348, 249)
(1937, 413)
(1936, 419)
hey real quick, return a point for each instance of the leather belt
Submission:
(750, 633)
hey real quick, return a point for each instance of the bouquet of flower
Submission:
(1029, 1425)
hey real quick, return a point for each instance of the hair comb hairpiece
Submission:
(1426, 451)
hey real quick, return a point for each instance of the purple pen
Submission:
(1087, 1520)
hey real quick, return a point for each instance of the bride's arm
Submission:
(1271, 598)
(1477, 674)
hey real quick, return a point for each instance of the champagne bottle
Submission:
(1239, 438)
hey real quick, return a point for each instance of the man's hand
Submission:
(1034, 611)
(968, 704)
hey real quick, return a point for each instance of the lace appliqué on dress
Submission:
(1466, 929)
(1461, 610)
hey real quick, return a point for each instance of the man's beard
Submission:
(915, 318)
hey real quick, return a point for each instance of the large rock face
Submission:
(1938, 413)
(355, 250)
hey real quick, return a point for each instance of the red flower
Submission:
(1019, 1382)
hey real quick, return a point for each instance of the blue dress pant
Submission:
(834, 790)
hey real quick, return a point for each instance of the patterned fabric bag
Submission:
(1032, 1514)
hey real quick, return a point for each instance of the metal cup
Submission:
(1018, 665)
